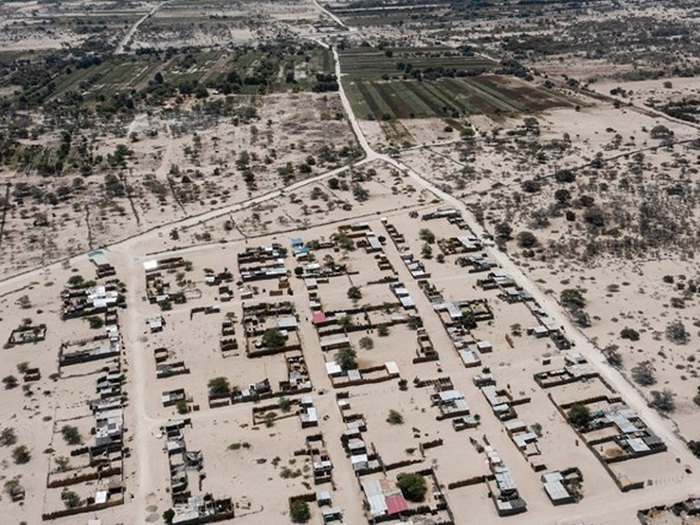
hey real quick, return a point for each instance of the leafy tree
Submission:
(643, 374)
(572, 297)
(579, 415)
(299, 511)
(8, 437)
(676, 332)
(96, 322)
(273, 338)
(354, 293)
(10, 382)
(346, 358)
(413, 486)
(70, 499)
(21, 455)
(426, 251)
(382, 330)
(564, 176)
(427, 236)
(394, 418)
(629, 333)
(527, 239)
(168, 516)
(219, 386)
(613, 356)
(663, 401)
(366, 343)
(71, 435)
(694, 447)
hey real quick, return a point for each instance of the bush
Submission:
(579, 415)
(299, 511)
(346, 358)
(21, 455)
(413, 486)
(676, 333)
(96, 322)
(8, 437)
(382, 330)
(10, 382)
(572, 298)
(564, 176)
(219, 386)
(366, 343)
(71, 435)
(70, 498)
(427, 236)
(662, 401)
(354, 293)
(394, 418)
(273, 338)
(643, 374)
(527, 239)
(629, 333)
(694, 447)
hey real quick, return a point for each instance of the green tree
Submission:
(70, 499)
(299, 511)
(366, 343)
(8, 437)
(273, 338)
(572, 297)
(21, 455)
(10, 382)
(427, 236)
(354, 293)
(71, 435)
(346, 358)
(219, 386)
(394, 418)
(579, 415)
(413, 486)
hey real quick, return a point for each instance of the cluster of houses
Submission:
(262, 262)
(502, 487)
(85, 302)
(186, 473)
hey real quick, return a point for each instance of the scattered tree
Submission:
(643, 374)
(8, 437)
(354, 293)
(346, 358)
(21, 455)
(273, 338)
(579, 415)
(299, 511)
(427, 236)
(629, 333)
(366, 343)
(71, 435)
(70, 498)
(394, 418)
(10, 382)
(413, 486)
(676, 332)
(663, 401)
(219, 386)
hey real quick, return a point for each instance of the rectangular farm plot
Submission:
(449, 97)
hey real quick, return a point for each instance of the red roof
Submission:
(318, 318)
(396, 503)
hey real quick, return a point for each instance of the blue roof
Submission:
(297, 241)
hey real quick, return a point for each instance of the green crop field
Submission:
(373, 64)
(448, 98)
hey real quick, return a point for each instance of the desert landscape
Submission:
(349, 262)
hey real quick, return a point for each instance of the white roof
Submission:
(333, 368)
(150, 265)
(392, 367)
